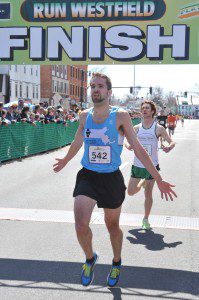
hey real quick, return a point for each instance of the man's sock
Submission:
(90, 261)
(117, 263)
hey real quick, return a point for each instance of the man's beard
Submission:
(98, 99)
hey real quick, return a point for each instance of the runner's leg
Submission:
(148, 197)
(134, 185)
(83, 208)
(169, 131)
(111, 217)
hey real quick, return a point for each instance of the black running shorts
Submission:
(108, 189)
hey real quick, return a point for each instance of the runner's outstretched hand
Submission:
(166, 190)
(166, 149)
(59, 165)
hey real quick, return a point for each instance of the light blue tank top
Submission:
(102, 144)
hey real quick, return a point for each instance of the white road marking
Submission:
(61, 216)
(185, 139)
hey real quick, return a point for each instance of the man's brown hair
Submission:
(152, 104)
(101, 75)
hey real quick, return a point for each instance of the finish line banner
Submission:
(102, 32)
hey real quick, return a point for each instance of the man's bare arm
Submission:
(74, 147)
(161, 132)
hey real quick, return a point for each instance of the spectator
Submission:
(32, 117)
(15, 113)
(37, 109)
(25, 115)
(20, 105)
(9, 115)
(3, 120)
(37, 117)
(1, 108)
(50, 117)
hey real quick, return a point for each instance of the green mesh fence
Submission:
(22, 139)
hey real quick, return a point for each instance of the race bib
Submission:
(100, 154)
(148, 149)
(171, 124)
(161, 122)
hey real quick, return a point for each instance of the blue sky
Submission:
(176, 78)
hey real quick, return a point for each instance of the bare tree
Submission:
(158, 96)
(170, 99)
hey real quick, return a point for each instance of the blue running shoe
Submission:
(88, 272)
(113, 276)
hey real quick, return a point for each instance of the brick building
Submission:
(62, 84)
(54, 84)
(77, 76)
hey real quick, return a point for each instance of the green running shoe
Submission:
(113, 276)
(87, 275)
(145, 224)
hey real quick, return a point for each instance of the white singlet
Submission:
(149, 140)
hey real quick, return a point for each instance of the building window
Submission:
(81, 93)
(64, 72)
(61, 71)
(20, 90)
(65, 88)
(61, 87)
(33, 91)
(76, 91)
(82, 77)
(70, 89)
(53, 70)
(24, 69)
(15, 68)
(57, 71)
(16, 90)
(31, 71)
(27, 91)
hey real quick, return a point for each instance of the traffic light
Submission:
(185, 94)
(150, 90)
(131, 90)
